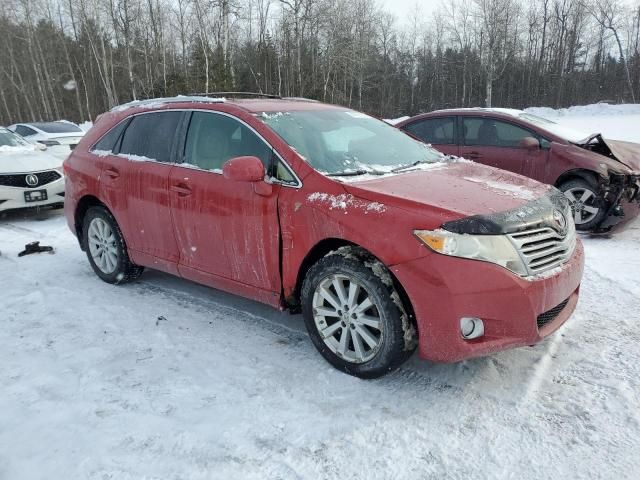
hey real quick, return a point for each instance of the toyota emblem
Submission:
(560, 220)
(31, 179)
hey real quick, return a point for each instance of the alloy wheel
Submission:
(102, 245)
(583, 204)
(347, 319)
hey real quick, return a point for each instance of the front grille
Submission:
(550, 315)
(543, 248)
(20, 179)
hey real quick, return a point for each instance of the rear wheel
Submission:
(106, 249)
(587, 205)
(355, 317)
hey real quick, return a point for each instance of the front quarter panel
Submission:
(323, 210)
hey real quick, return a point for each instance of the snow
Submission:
(503, 188)
(615, 122)
(164, 379)
(344, 201)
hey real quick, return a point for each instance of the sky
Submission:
(404, 8)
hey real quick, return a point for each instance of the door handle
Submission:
(474, 155)
(112, 173)
(181, 189)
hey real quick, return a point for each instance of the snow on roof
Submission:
(159, 102)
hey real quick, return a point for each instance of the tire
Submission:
(106, 248)
(587, 205)
(351, 342)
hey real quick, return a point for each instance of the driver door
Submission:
(498, 144)
(227, 233)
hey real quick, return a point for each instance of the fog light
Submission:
(471, 328)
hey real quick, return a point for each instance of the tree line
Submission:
(74, 59)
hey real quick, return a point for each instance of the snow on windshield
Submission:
(348, 142)
(561, 131)
(10, 142)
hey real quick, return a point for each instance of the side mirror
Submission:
(244, 169)
(40, 146)
(530, 143)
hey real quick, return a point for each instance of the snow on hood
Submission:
(26, 159)
(463, 188)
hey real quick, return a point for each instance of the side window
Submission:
(24, 131)
(108, 142)
(213, 139)
(438, 130)
(494, 133)
(151, 135)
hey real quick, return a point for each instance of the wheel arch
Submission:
(324, 247)
(579, 174)
(84, 204)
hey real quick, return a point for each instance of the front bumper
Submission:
(443, 289)
(13, 197)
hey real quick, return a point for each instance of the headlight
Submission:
(487, 248)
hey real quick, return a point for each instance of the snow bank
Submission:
(596, 109)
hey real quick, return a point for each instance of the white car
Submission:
(29, 177)
(50, 133)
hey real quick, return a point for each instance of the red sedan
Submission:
(600, 177)
(383, 243)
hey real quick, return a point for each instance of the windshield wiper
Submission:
(410, 165)
(354, 173)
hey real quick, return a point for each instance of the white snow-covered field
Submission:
(165, 379)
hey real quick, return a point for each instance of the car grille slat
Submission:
(543, 248)
(19, 180)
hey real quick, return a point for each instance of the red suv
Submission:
(601, 178)
(383, 243)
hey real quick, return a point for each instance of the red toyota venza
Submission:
(384, 244)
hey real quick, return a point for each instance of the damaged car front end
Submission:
(618, 183)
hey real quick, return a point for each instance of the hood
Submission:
(461, 188)
(26, 159)
(627, 153)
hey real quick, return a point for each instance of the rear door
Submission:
(440, 132)
(227, 232)
(496, 143)
(135, 184)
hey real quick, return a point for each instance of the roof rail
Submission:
(300, 99)
(237, 94)
(158, 102)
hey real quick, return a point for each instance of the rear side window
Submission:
(108, 142)
(439, 130)
(151, 135)
(494, 133)
(213, 139)
(24, 131)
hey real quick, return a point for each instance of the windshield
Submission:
(57, 127)
(561, 131)
(344, 141)
(10, 139)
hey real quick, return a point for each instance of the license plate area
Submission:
(35, 196)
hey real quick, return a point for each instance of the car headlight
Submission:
(487, 248)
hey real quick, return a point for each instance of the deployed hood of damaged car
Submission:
(459, 188)
(627, 153)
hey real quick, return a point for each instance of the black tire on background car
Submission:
(106, 248)
(588, 206)
(355, 316)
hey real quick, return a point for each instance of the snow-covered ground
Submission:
(164, 379)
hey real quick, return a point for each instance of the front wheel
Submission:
(588, 207)
(106, 248)
(355, 316)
